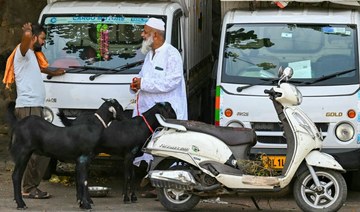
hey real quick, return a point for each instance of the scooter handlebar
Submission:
(270, 92)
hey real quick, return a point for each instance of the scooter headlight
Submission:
(344, 132)
(48, 114)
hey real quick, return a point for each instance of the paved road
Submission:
(64, 197)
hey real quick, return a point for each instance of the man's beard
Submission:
(146, 44)
(37, 47)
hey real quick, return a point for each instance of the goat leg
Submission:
(127, 176)
(83, 195)
(133, 196)
(17, 178)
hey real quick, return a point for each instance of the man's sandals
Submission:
(36, 194)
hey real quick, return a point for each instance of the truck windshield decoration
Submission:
(253, 52)
(101, 42)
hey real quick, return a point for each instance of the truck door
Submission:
(177, 34)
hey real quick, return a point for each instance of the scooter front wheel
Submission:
(177, 199)
(330, 196)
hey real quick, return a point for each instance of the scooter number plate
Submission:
(276, 161)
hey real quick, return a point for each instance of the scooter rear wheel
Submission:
(177, 199)
(330, 197)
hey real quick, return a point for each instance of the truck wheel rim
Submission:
(177, 196)
(325, 198)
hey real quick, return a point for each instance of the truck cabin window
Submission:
(318, 54)
(99, 41)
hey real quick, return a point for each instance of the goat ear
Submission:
(113, 111)
(104, 99)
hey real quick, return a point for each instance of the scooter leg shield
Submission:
(324, 160)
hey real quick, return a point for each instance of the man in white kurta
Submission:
(161, 78)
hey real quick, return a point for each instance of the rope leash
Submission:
(138, 113)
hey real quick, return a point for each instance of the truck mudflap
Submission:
(324, 160)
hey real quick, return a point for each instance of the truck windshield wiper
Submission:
(330, 76)
(79, 69)
(121, 68)
(84, 68)
(267, 81)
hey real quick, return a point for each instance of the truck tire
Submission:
(177, 199)
(331, 197)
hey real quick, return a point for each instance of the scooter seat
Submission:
(232, 136)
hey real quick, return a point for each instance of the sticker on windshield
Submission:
(302, 69)
(336, 30)
(286, 35)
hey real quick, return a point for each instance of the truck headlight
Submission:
(344, 132)
(48, 114)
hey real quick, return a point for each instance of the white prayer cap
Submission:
(156, 24)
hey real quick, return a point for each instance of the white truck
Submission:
(98, 43)
(320, 41)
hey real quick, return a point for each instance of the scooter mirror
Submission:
(288, 72)
(285, 73)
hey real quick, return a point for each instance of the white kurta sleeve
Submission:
(171, 78)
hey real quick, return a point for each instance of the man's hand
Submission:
(26, 38)
(135, 85)
(50, 74)
(27, 27)
(59, 72)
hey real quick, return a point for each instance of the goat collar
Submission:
(147, 124)
(102, 120)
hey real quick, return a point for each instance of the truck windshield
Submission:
(99, 41)
(256, 51)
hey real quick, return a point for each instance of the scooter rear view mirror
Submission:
(285, 73)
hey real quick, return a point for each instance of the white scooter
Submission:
(194, 159)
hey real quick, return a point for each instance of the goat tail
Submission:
(11, 120)
(64, 120)
(10, 117)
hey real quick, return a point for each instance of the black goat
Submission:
(126, 137)
(33, 134)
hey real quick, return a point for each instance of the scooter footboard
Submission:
(324, 160)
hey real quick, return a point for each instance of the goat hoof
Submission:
(90, 201)
(85, 206)
(21, 208)
(134, 198)
(126, 200)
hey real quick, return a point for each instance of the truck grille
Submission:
(276, 127)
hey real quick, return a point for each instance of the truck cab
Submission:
(98, 43)
(320, 43)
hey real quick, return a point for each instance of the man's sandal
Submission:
(36, 194)
(149, 194)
